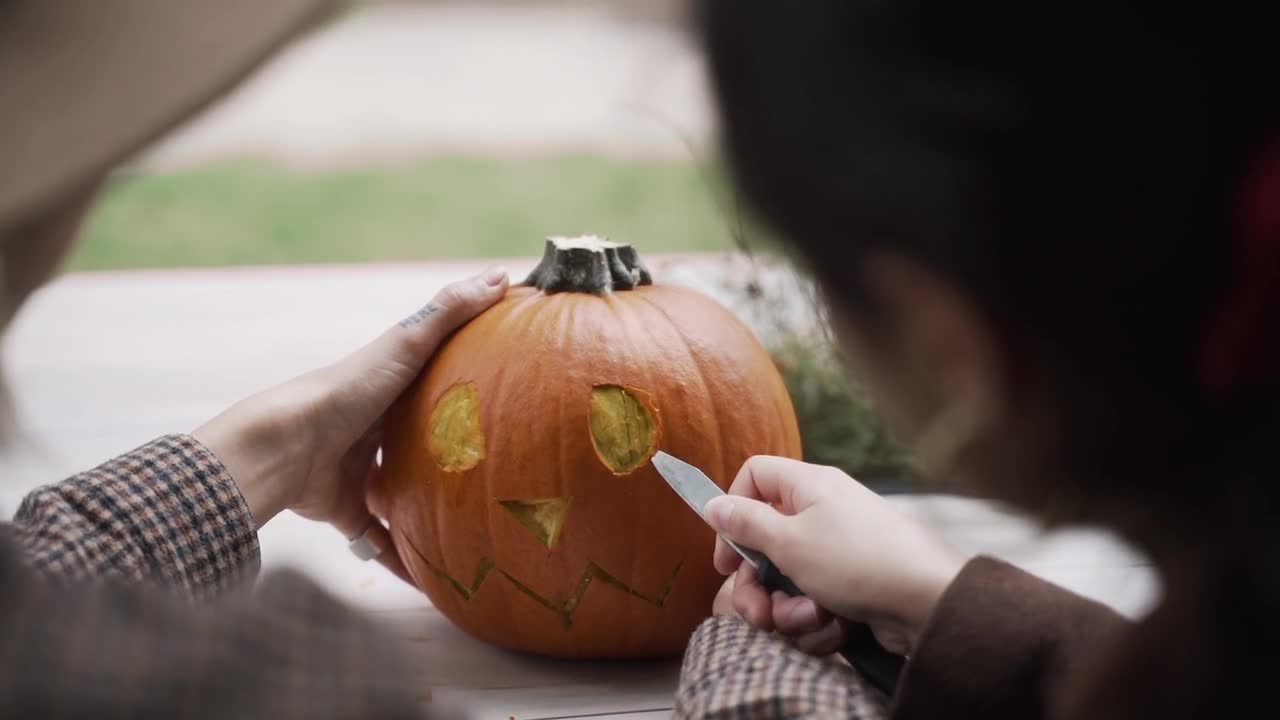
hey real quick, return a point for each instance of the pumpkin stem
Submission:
(588, 264)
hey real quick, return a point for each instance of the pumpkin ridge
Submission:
(516, 322)
(643, 342)
(485, 567)
(701, 374)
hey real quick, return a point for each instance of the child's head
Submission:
(1028, 221)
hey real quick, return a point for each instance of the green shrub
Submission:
(838, 425)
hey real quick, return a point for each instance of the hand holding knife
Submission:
(879, 666)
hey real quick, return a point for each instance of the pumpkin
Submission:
(516, 477)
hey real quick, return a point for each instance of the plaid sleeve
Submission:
(732, 670)
(166, 513)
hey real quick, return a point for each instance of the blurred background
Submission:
(421, 130)
(428, 130)
(405, 145)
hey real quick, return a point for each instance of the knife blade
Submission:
(881, 667)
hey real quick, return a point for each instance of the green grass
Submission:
(257, 213)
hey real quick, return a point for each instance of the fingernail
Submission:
(495, 275)
(719, 510)
(805, 613)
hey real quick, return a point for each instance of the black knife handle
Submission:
(879, 666)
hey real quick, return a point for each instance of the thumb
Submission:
(412, 340)
(748, 522)
(371, 378)
(416, 337)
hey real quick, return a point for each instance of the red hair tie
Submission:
(1232, 351)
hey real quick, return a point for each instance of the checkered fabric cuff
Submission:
(732, 670)
(166, 513)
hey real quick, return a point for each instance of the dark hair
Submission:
(1074, 168)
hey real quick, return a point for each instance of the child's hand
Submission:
(844, 545)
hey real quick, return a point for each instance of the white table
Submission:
(100, 363)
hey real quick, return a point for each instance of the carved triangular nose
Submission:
(543, 517)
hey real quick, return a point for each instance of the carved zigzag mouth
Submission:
(486, 567)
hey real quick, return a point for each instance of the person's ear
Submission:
(950, 348)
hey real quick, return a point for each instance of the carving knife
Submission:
(880, 667)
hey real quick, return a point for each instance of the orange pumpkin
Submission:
(517, 481)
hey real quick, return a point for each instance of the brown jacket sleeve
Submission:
(1002, 643)
(999, 645)
(166, 513)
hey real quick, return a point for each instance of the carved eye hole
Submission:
(456, 440)
(624, 427)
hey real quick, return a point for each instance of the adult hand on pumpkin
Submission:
(310, 444)
(847, 547)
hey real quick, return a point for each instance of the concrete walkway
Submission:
(393, 80)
